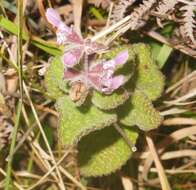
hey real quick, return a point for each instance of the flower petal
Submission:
(112, 84)
(121, 58)
(95, 82)
(96, 68)
(63, 31)
(72, 57)
(53, 17)
(69, 59)
(73, 37)
(61, 37)
(71, 74)
(117, 82)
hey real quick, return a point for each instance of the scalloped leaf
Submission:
(140, 111)
(76, 122)
(107, 102)
(105, 151)
(149, 79)
(54, 79)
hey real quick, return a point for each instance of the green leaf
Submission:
(96, 13)
(149, 79)
(140, 111)
(104, 151)
(54, 79)
(163, 55)
(45, 46)
(107, 102)
(76, 122)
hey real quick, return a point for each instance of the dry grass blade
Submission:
(190, 94)
(69, 176)
(189, 77)
(173, 137)
(173, 111)
(77, 10)
(162, 176)
(170, 154)
(14, 182)
(40, 181)
(127, 183)
(178, 154)
(61, 184)
(174, 171)
(179, 121)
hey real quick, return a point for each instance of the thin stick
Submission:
(109, 15)
(125, 137)
(110, 29)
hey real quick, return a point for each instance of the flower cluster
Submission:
(94, 75)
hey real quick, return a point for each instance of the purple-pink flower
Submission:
(100, 76)
(67, 36)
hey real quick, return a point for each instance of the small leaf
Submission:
(163, 55)
(149, 79)
(76, 122)
(104, 151)
(54, 78)
(140, 111)
(107, 102)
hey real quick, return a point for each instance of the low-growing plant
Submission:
(98, 90)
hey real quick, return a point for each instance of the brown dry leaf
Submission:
(12, 81)
(2, 83)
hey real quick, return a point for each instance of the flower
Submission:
(100, 76)
(76, 46)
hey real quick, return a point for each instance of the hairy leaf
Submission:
(76, 122)
(104, 151)
(138, 110)
(54, 78)
(149, 79)
(107, 102)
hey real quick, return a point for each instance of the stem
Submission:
(10, 158)
(19, 110)
(19, 46)
(125, 137)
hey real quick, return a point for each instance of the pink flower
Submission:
(100, 75)
(77, 46)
